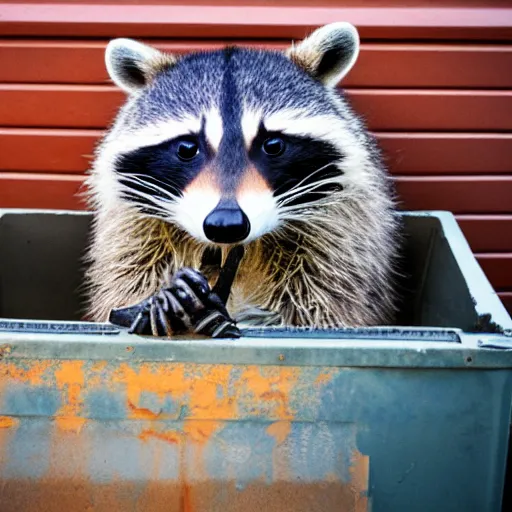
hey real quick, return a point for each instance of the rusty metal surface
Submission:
(394, 419)
(117, 435)
(78, 435)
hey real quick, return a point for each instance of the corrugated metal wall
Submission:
(434, 81)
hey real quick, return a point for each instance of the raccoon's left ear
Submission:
(329, 53)
(133, 65)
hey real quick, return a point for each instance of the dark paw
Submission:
(187, 305)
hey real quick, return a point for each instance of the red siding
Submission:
(433, 82)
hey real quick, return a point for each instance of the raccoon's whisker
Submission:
(296, 186)
(144, 205)
(310, 205)
(306, 189)
(154, 214)
(159, 205)
(138, 193)
(167, 186)
(142, 181)
(320, 201)
(309, 176)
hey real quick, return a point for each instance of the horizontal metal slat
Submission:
(63, 150)
(474, 66)
(457, 194)
(506, 298)
(466, 194)
(487, 233)
(447, 153)
(498, 269)
(79, 106)
(234, 20)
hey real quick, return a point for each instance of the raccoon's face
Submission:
(230, 144)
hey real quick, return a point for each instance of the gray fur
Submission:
(331, 263)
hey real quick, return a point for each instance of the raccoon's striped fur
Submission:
(324, 259)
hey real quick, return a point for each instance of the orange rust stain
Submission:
(158, 379)
(70, 373)
(359, 472)
(70, 423)
(274, 387)
(280, 430)
(209, 396)
(98, 366)
(141, 413)
(96, 375)
(8, 422)
(33, 375)
(323, 378)
(273, 395)
(331, 477)
(70, 379)
(167, 436)
(186, 498)
(203, 389)
(201, 431)
(206, 392)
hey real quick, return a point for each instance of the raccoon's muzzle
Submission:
(226, 223)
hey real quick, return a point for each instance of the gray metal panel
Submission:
(41, 264)
(455, 288)
(189, 437)
(388, 420)
(447, 286)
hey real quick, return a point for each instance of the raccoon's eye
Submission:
(273, 146)
(187, 150)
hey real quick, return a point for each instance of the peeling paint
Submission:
(8, 422)
(279, 430)
(141, 413)
(32, 375)
(70, 378)
(167, 436)
(359, 471)
(168, 427)
(323, 378)
(70, 423)
(272, 386)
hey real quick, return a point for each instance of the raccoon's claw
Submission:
(188, 304)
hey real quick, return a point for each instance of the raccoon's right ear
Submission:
(328, 53)
(133, 65)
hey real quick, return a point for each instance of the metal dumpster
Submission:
(412, 417)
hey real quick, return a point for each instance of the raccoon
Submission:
(249, 147)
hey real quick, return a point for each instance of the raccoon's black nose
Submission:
(226, 223)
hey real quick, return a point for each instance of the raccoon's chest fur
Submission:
(248, 303)
(253, 147)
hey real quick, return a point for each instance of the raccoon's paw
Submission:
(187, 305)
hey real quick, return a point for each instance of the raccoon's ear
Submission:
(133, 65)
(329, 53)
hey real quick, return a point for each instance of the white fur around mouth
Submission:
(191, 210)
(261, 210)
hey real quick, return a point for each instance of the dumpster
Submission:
(410, 417)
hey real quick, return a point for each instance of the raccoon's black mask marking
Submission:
(304, 160)
(159, 167)
(301, 158)
(157, 171)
